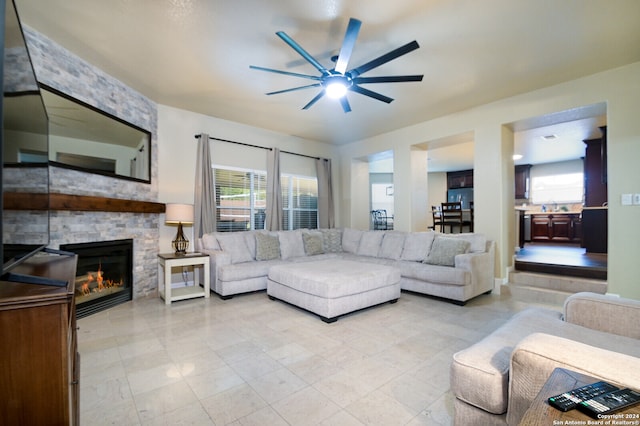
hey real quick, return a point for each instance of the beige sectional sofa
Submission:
(495, 380)
(456, 267)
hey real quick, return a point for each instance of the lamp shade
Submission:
(179, 213)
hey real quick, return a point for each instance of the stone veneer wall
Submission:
(62, 70)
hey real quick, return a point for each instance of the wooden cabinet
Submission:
(461, 179)
(39, 379)
(560, 227)
(595, 229)
(522, 181)
(595, 171)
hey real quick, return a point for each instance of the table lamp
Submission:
(179, 213)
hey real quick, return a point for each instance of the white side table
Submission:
(166, 261)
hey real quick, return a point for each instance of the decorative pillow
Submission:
(392, 244)
(444, 251)
(291, 244)
(209, 242)
(351, 240)
(235, 244)
(417, 246)
(478, 241)
(370, 243)
(331, 240)
(312, 242)
(267, 246)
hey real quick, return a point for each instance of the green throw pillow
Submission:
(267, 246)
(444, 250)
(312, 243)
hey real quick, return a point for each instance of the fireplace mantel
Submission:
(86, 203)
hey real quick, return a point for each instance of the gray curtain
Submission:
(326, 214)
(205, 191)
(273, 219)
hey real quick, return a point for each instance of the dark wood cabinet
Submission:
(559, 228)
(39, 379)
(540, 225)
(595, 171)
(594, 225)
(522, 181)
(460, 179)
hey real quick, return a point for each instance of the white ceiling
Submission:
(195, 54)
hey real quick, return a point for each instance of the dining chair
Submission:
(451, 216)
(380, 220)
(437, 218)
(469, 222)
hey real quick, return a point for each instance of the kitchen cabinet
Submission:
(460, 179)
(522, 181)
(39, 379)
(556, 227)
(595, 171)
(595, 235)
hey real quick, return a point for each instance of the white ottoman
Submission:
(333, 287)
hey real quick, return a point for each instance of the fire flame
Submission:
(102, 283)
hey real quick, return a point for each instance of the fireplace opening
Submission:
(104, 276)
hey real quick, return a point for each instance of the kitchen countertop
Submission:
(554, 213)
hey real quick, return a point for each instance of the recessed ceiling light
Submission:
(517, 156)
(550, 137)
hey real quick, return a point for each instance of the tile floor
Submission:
(253, 361)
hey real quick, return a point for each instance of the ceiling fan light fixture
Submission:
(336, 85)
(336, 90)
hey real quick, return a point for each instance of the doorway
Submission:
(549, 150)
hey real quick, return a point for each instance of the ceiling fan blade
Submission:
(295, 46)
(387, 79)
(347, 45)
(314, 100)
(345, 104)
(371, 94)
(293, 74)
(293, 89)
(402, 50)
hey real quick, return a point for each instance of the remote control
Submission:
(570, 400)
(609, 402)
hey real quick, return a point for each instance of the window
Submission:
(241, 200)
(560, 188)
(300, 202)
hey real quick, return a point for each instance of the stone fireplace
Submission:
(91, 221)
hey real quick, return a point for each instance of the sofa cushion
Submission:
(246, 270)
(235, 244)
(291, 244)
(210, 242)
(392, 244)
(478, 242)
(250, 239)
(434, 273)
(351, 240)
(331, 240)
(267, 246)
(370, 243)
(312, 241)
(417, 246)
(444, 251)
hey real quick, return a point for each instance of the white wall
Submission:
(493, 166)
(177, 148)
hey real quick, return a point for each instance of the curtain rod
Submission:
(261, 147)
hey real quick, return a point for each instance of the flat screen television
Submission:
(24, 149)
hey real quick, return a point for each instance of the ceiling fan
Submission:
(336, 82)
